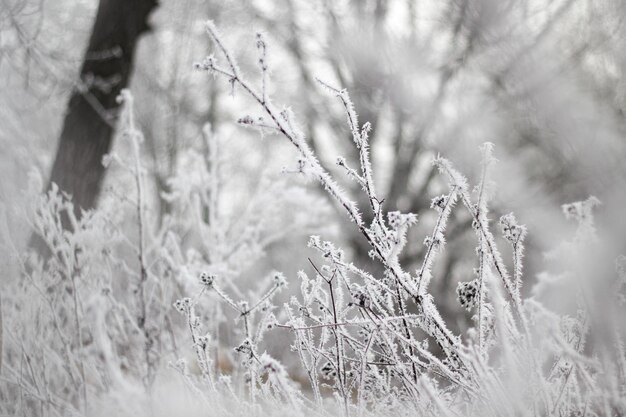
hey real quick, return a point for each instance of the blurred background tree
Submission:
(91, 114)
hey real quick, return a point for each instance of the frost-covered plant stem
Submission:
(262, 47)
(436, 241)
(135, 137)
(79, 336)
(199, 342)
(361, 140)
(432, 322)
(495, 257)
(359, 404)
(341, 371)
(482, 225)
(481, 295)
(481, 207)
(67, 261)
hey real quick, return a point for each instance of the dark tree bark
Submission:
(92, 110)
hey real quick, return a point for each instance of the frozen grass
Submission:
(122, 318)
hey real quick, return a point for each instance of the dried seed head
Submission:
(467, 293)
(438, 203)
(207, 279)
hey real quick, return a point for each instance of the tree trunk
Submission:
(92, 110)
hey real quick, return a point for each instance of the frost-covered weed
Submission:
(91, 317)
(125, 306)
(369, 338)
